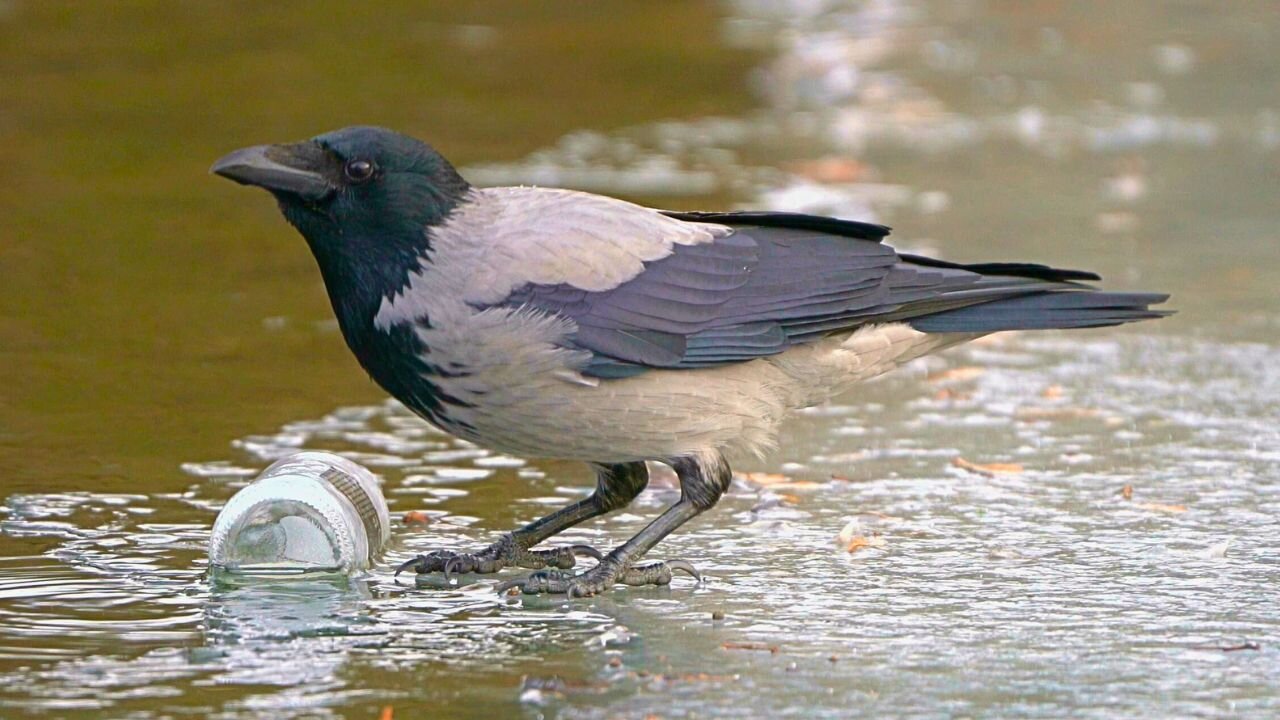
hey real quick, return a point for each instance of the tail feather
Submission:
(1044, 311)
(1010, 269)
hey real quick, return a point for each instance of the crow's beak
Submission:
(296, 169)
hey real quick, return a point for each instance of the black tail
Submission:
(1007, 296)
(1073, 308)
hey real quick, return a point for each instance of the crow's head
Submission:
(363, 197)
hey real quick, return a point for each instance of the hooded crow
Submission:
(560, 324)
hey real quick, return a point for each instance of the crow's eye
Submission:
(358, 171)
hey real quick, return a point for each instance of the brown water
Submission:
(164, 335)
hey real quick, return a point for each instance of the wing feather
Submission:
(758, 285)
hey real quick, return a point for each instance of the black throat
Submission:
(364, 264)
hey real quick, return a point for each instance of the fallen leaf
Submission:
(416, 517)
(1127, 492)
(1051, 392)
(988, 469)
(777, 481)
(797, 485)
(960, 374)
(1161, 507)
(387, 712)
(766, 479)
(862, 541)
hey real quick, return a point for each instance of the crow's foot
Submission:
(506, 552)
(599, 578)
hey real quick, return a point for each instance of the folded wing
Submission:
(775, 280)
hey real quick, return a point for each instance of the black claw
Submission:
(422, 564)
(658, 573)
(448, 569)
(685, 566)
(543, 581)
(411, 563)
(588, 551)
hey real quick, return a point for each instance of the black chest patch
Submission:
(394, 359)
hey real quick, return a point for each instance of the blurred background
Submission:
(164, 335)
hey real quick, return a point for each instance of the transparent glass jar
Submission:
(312, 511)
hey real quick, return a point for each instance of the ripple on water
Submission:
(1048, 578)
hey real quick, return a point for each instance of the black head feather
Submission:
(364, 199)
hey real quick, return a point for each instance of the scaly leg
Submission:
(703, 479)
(616, 486)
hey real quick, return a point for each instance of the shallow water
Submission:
(1036, 525)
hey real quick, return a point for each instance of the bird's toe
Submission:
(506, 552)
(543, 582)
(562, 557)
(658, 573)
(598, 579)
(433, 561)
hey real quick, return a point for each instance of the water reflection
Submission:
(250, 610)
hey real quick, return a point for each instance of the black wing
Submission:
(778, 280)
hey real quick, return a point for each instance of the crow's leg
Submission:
(703, 479)
(616, 486)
